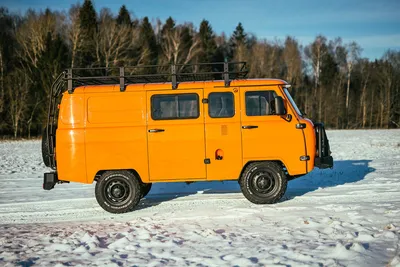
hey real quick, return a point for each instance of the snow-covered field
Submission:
(347, 216)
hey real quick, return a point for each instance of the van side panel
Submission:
(70, 140)
(116, 133)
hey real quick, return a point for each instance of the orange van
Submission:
(129, 127)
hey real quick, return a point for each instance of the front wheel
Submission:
(118, 191)
(263, 182)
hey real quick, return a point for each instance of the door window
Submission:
(175, 106)
(260, 103)
(221, 105)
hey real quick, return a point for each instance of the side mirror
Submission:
(279, 106)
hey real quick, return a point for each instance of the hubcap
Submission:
(263, 183)
(117, 191)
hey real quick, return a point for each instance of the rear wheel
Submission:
(263, 182)
(118, 191)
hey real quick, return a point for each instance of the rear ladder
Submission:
(56, 90)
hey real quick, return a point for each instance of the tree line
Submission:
(330, 80)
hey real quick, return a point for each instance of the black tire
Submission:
(145, 189)
(118, 191)
(45, 148)
(263, 182)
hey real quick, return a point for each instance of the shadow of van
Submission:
(343, 172)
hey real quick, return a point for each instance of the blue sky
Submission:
(374, 24)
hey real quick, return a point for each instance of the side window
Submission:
(260, 103)
(221, 105)
(177, 106)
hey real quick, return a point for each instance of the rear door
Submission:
(175, 134)
(223, 136)
(266, 136)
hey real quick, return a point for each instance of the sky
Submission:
(373, 24)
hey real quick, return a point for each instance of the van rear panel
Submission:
(116, 133)
(70, 139)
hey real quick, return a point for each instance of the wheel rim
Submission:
(263, 183)
(117, 191)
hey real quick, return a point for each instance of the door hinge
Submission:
(204, 101)
(207, 161)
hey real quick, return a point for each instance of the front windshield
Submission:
(292, 101)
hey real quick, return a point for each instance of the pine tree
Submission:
(168, 26)
(7, 50)
(123, 16)
(238, 44)
(88, 25)
(53, 61)
(208, 44)
(238, 36)
(147, 44)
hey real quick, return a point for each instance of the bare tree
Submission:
(113, 40)
(316, 53)
(38, 101)
(1, 80)
(389, 88)
(292, 58)
(32, 34)
(393, 58)
(365, 78)
(264, 58)
(180, 46)
(241, 53)
(353, 54)
(18, 84)
(74, 33)
(259, 60)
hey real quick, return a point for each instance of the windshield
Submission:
(292, 101)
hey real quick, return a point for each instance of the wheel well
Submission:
(99, 173)
(277, 161)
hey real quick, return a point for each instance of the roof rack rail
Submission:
(174, 73)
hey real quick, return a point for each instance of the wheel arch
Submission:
(100, 172)
(252, 161)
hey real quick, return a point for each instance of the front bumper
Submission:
(323, 160)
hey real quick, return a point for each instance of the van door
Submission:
(223, 135)
(175, 135)
(266, 136)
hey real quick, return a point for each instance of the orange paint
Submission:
(101, 128)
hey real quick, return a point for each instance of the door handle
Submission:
(249, 126)
(155, 130)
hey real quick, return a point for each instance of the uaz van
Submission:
(127, 128)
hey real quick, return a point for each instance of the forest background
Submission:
(330, 80)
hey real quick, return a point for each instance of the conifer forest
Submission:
(331, 81)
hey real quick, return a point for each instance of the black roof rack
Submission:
(174, 73)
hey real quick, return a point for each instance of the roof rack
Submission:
(174, 73)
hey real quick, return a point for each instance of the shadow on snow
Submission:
(343, 172)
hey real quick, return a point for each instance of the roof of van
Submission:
(182, 85)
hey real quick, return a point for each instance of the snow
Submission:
(345, 216)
